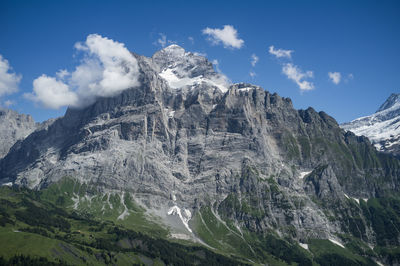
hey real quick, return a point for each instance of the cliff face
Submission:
(240, 150)
(13, 127)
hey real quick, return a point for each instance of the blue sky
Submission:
(358, 39)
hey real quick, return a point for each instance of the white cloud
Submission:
(298, 76)
(162, 40)
(8, 103)
(61, 74)
(348, 78)
(200, 54)
(191, 39)
(52, 93)
(335, 77)
(228, 36)
(216, 64)
(9, 80)
(280, 52)
(254, 60)
(107, 68)
(252, 74)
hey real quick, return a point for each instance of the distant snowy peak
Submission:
(393, 100)
(183, 69)
(382, 127)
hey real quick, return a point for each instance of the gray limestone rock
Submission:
(13, 127)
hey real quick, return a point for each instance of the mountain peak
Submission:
(183, 69)
(394, 99)
(169, 54)
(173, 47)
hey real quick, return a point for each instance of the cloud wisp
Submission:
(335, 77)
(291, 71)
(280, 53)
(228, 36)
(107, 69)
(163, 41)
(254, 60)
(295, 74)
(8, 103)
(9, 80)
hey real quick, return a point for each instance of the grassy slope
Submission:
(35, 227)
(88, 233)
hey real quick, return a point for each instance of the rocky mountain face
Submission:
(195, 151)
(382, 127)
(13, 127)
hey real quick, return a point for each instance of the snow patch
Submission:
(9, 184)
(108, 201)
(245, 89)
(125, 212)
(305, 246)
(303, 174)
(357, 200)
(181, 236)
(171, 114)
(188, 213)
(75, 199)
(185, 217)
(336, 242)
(176, 82)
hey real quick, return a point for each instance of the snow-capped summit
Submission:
(382, 127)
(183, 69)
(393, 100)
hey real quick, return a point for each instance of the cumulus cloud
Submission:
(252, 74)
(254, 60)
(9, 80)
(191, 39)
(107, 68)
(335, 77)
(52, 93)
(61, 74)
(280, 53)
(228, 36)
(298, 76)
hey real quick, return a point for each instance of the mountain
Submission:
(13, 127)
(382, 127)
(228, 166)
